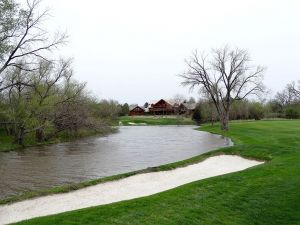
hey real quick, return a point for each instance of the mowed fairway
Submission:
(266, 194)
(156, 120)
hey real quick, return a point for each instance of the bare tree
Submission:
(226, 75)
(295, 89)
(289, 95)
(177, 100)
(191, 100)
(23, 41)
(285, 97)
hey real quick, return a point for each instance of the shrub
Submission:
(292, 113)
(197, 117)
(256, 111)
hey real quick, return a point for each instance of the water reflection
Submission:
(132, 148)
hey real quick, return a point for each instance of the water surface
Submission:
(132, 148)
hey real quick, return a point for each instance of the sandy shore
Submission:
(124, 189)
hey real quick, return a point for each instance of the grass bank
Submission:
(266, 194)
(155, 120)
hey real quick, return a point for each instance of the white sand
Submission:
(123, 189)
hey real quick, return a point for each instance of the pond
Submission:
(132, 148)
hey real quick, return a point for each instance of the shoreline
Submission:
(250, 192)
(138, 185)
(59, 140)
(87, 183)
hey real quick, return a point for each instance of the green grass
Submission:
(265, 194)
(156, 120)
(6, 142)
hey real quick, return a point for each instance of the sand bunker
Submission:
(128, 188)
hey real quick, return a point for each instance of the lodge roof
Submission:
(133, 106)
(188, 106)
(169, 101)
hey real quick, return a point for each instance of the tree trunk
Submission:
(20, 136)
(12, 131)
(224, 119)
(40, 135)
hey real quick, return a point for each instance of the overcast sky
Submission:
(132, 50)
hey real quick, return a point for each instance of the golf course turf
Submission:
(265, 194)
(155, 120)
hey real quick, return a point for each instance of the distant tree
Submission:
(146, 105)
(239, 110)
(226, 76)
(197, 115)
(292, 113)
(109, 109)
(287, 101)
(256, 111)
(124, 110)
(178, 99)
(275, 106)
(285, 97)
(295, 89)
(207, 110)
(191, 100)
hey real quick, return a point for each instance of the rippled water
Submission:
(132, 148)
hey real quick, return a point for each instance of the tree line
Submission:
(226, 77)
(285, 104)
(39, 97)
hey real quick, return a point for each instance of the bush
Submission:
(124, 110)
(109, 109)
(256, 111)
(197, 117)
(292, 113)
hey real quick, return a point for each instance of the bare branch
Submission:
(226, 76)
(23, 38)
